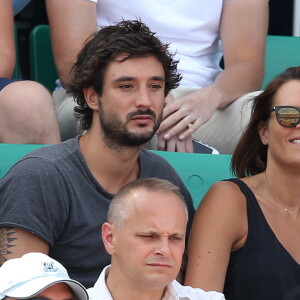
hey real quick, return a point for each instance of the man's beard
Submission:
(116, 133)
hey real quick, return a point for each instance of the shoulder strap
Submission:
(254, 212)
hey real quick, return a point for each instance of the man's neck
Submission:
(112, 168)
(122, 289)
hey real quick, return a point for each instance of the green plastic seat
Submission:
(197, 171)
(42, 67)
(11, 153)
(17, 71)
(282, 52)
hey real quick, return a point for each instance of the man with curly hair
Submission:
(56, 198)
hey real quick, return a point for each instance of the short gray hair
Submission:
(119, 210)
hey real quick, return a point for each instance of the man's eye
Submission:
(156, 86)
(175, 238)
(125, 86)
(146, 236)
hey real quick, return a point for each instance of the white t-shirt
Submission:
(191, 27)
(174, 291)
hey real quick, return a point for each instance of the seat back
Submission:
(17, 71)
(11, 153)
(282, 52)
(197, 171)
(42, 67)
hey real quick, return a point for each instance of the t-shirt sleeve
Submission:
(32, 198)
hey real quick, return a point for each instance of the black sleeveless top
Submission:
(262, 269)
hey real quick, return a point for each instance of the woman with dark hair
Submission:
(245, 239)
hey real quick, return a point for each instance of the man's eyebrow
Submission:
(124, 78)
(146, 232)
(158, 78)
(129, 78)
(152, 232)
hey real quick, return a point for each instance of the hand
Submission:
(183, 116)
(174, 144)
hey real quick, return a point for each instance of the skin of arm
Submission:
(14, 242)
(243, 40)
(71, 23)
(219, 227)
(7, 44)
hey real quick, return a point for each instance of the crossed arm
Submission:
(243, 31)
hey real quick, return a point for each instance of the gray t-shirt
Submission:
(52, 193)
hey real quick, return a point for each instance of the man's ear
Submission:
(263, 132)
(91, 98)
(108, 237)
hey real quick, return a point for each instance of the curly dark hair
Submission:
(127, 36)
(250, 155)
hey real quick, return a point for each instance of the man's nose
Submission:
(143, 98)
(163, 247)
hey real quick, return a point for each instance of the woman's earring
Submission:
(264, 142)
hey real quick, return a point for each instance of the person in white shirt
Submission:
(145, 236)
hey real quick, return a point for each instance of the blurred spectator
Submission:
(36, 275)
(26, 107)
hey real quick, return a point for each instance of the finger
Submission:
(190, 130)
(178, 128)
(189, 145)
(171, 145)
(171, 121)
(171, 108)
(161, 142)
(180, 146)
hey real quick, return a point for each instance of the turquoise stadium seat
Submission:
(11, 153)
(17, 69)
(282, 52)
(42, 67)
(197, 171)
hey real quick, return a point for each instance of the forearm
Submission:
(7, 64)
(236, 81)
(7, 46)
(71, 23)
(243, 43)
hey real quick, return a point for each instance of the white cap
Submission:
(32, 273)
